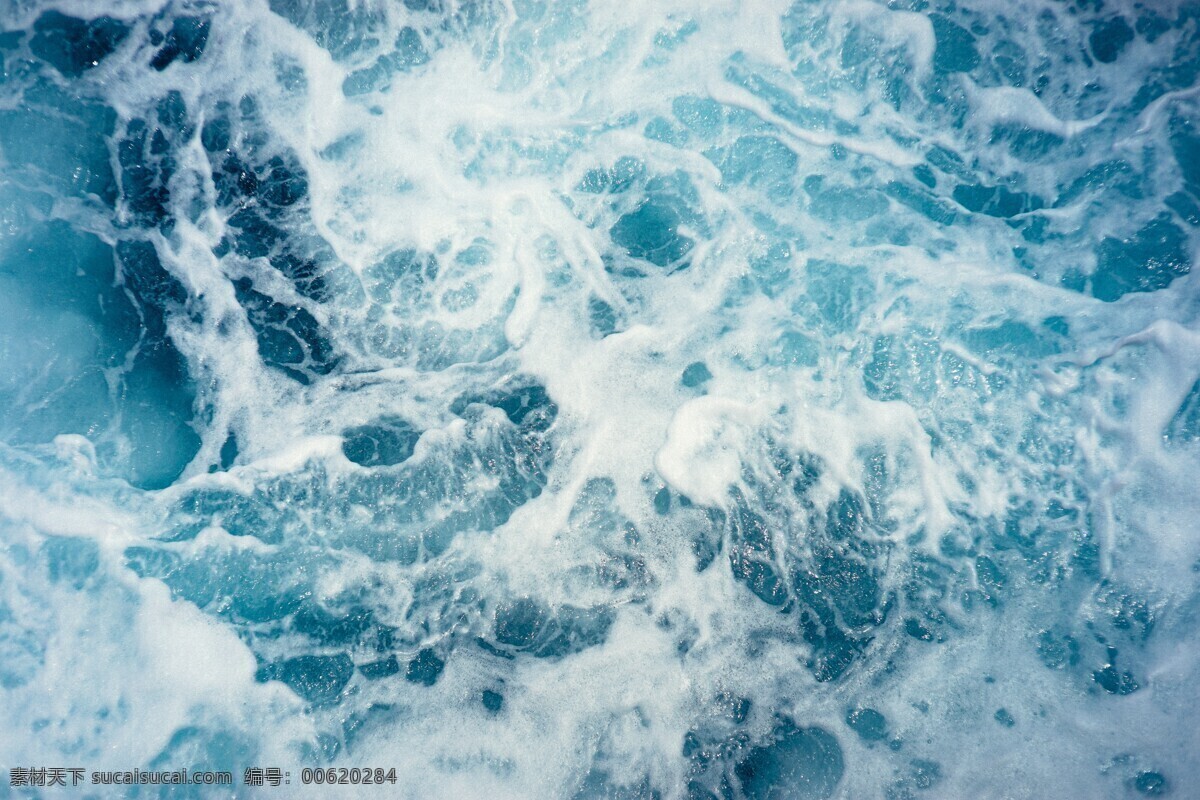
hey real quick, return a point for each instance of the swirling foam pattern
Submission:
(581, 399)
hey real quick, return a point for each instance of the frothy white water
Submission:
(573, 400)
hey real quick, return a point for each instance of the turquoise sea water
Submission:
(603, 400)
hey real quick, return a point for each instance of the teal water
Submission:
(593, 400)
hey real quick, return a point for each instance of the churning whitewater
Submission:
(582, 399)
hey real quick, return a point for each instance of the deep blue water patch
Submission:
(72, 45)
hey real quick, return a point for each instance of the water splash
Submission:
(733, 400)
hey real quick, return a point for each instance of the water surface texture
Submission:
(590, 399)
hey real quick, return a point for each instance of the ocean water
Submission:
(581, 399)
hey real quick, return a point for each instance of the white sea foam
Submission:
(687, 376)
